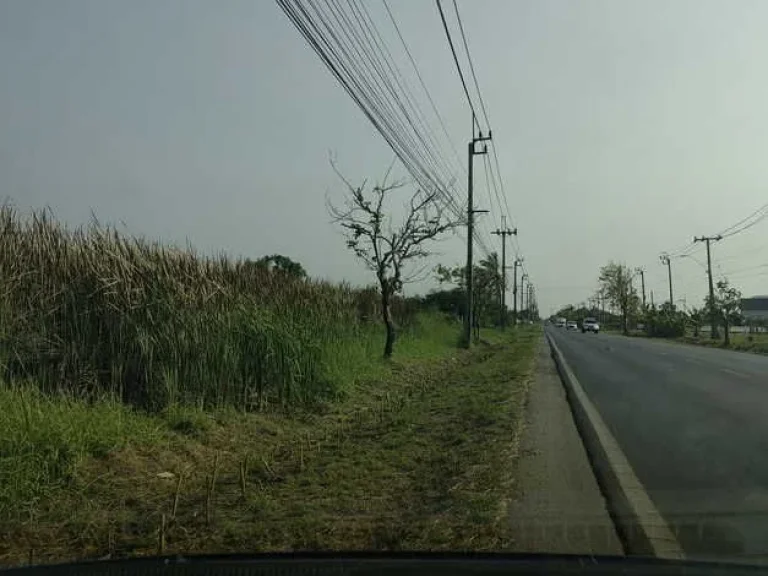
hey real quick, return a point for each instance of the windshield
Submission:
(318, 276)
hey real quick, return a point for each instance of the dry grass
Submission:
(90, 312)
(419, 455)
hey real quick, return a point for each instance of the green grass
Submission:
(417, 453)
(43, 439)
(756, 343)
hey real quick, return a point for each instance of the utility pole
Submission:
(522, 296)
(601, 303)
(713, 313)
(504, 232)
(665, 259)
(642, 282)
(529, 310)
(518, 262)
(652, 304)
(468, 319)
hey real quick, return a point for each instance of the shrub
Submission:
(664, 324)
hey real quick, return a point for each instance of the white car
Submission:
(590, 325)
(571, 325)
(560, 323)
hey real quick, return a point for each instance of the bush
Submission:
(664, 324)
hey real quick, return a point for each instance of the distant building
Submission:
(755, 308)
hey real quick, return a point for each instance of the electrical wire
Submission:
(423, 85)
(352, 48)
(471, 66)
(347, 61)
(740, 270)
(458, 67)
(364, 17)
(746, 223)
(485, 115)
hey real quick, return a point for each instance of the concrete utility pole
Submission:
(518, 262)
(467, 340)
(601, 300)
(712, 312)
(642, 282)
(528, 309)
(522, 296)
(504, 232)
(665, 259)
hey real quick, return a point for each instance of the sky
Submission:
(623, 129)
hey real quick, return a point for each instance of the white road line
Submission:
(740, 374)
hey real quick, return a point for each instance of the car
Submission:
(571, 325)
(590, 325)
(560, 323)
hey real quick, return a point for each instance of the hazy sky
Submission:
(623, 128)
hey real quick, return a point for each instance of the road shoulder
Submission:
(559, 508)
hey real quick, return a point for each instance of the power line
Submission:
(350, 45)
(490, 183)
(485, 113)
(335, 45)
(488, 124)
(471, 66)
(740, 270)
(399, 79)
(424, 86)
(745, 224)
(384, 83)
(458, 67)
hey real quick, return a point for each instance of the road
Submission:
(693, 423)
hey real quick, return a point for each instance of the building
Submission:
(755, 309)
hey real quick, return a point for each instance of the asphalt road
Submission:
(693, 423)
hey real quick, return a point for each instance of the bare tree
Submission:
(616, 283)
(385, 248)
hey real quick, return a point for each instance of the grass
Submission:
(155, 400)
(755, 343)
(91, 312)
(418, 453)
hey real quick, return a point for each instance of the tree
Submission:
(664, 321)
(486, 278)
(696, 317)
(384, 247)
(727, 306)
(282, 264)
(616, 284)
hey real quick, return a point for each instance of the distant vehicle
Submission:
(590, 325)
(571, 325)
(560, 323)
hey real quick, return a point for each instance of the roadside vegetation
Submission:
(630, 315)
(91, 313)
(158, 400)
(420, 454)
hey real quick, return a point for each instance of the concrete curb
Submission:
(639, 523)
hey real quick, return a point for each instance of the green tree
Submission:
(664, 321)
(282, 264)
(616, 284)
(696, 318)
(486, 278)
(727, 306)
